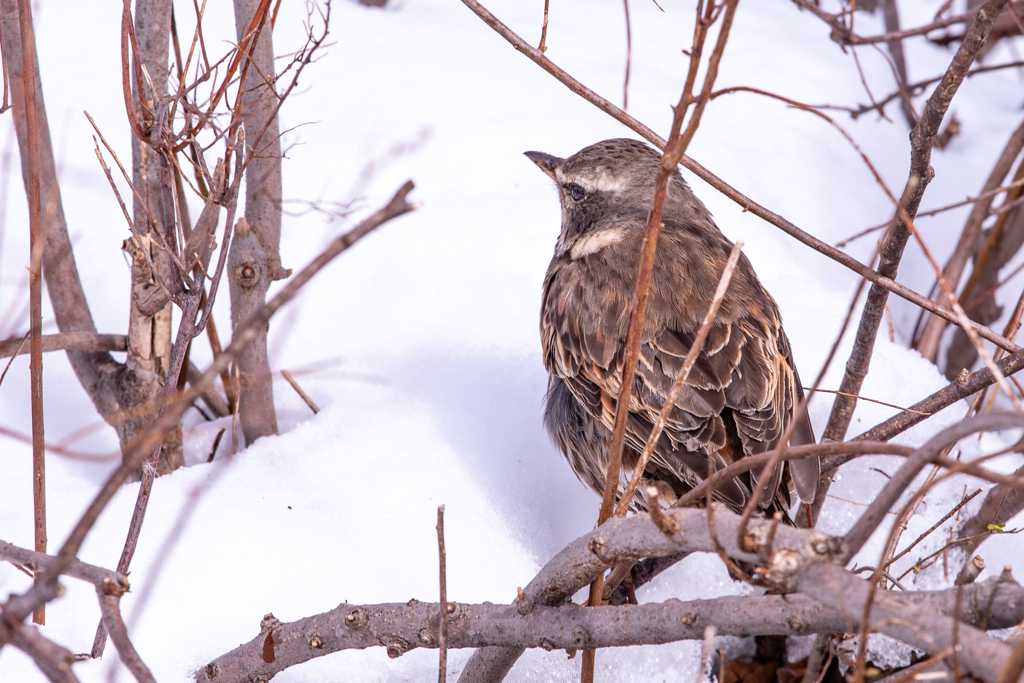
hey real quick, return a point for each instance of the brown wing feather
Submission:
(588, 362)
(743, 383)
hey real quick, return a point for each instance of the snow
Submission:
(420, 344)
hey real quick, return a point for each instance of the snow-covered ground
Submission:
(421, 344)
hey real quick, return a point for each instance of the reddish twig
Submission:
(675, 149)
(36, 244)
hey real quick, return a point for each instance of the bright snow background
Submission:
(420, 344)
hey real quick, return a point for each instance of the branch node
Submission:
(269, 623)
(581, 636)
(666, 524)
(356, 619)
(396, 646)
(112, 587)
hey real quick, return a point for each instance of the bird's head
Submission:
(605, 192)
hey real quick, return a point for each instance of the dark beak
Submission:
(546, 162)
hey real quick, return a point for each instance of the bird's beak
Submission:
(546, 162)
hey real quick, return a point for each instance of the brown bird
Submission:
(742, 391)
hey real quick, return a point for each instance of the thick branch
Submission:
(637, 537)
(914, 623)
(402, 627)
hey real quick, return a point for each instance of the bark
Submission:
(149, 322)
(255, 259)
(634, 538)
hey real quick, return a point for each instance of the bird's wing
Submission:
(745, 366)
(740, 368)
(763, 393)
(590, 360)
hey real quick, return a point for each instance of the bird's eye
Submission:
(576, 191)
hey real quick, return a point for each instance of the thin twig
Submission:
(442, 632)
(870, 400)
(298, 390)
(629, 54)
(13, 352)
(965, 501)
(544, 29)
(36, 245)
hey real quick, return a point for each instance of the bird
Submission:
(742, 391)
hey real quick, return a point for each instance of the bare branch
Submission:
(887, 497)
(637, 537)
(835, 587)
(890, 254)
(402, 627)
(46, 587)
